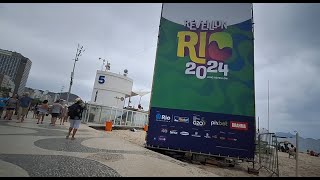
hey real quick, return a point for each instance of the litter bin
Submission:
(145, 128)
(108, 126)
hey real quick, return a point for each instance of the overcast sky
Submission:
(286, 52)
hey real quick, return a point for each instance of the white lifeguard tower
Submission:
(109, 96)
(111, 89)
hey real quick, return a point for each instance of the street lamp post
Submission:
(62, 87)
(297, 153)
(268, 108)
(78, 53)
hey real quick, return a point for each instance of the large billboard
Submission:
(203, 97)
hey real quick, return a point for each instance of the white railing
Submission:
(98, 114)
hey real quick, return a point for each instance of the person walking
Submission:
(64, 115)
(17, 105)
(43, 110)
(75, 113)
(56, 111)
(3, 102)
(35, 111)
(24, 104)
(11, 106)
(61, 114)
(30, 108)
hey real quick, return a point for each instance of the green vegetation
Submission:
(4, 92)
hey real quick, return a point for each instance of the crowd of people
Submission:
(313, 153)
(140, 108)
(291, 150)
(15, 105)
(58, 110)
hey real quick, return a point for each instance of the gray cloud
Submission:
(286, 52)
(124, 34)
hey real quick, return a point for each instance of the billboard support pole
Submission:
(258, 125)
(268, 107)
(297, 154)
(254, 87)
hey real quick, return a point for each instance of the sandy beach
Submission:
(309, 166)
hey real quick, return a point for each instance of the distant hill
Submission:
(72, 97)
(304, 143)
(51, 95)
(282, 134)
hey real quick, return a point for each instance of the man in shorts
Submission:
(56, 111)
(24, 105)
(75, 113)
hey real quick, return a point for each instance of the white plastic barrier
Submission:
(119, 117)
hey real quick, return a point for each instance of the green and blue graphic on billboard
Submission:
(203, 96)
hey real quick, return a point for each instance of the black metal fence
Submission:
(267, 153)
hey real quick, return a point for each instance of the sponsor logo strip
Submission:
(198, 122)
(239, 125)
(163, 117)
(162, 138)
(164, 130)
(181, 119)
(219, 123)
(184, 133)
(173, 132)
(196, 134)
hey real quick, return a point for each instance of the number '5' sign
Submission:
(101, 79)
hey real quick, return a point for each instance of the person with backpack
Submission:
(75, 114)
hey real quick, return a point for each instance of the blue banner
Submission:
(202, 132)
